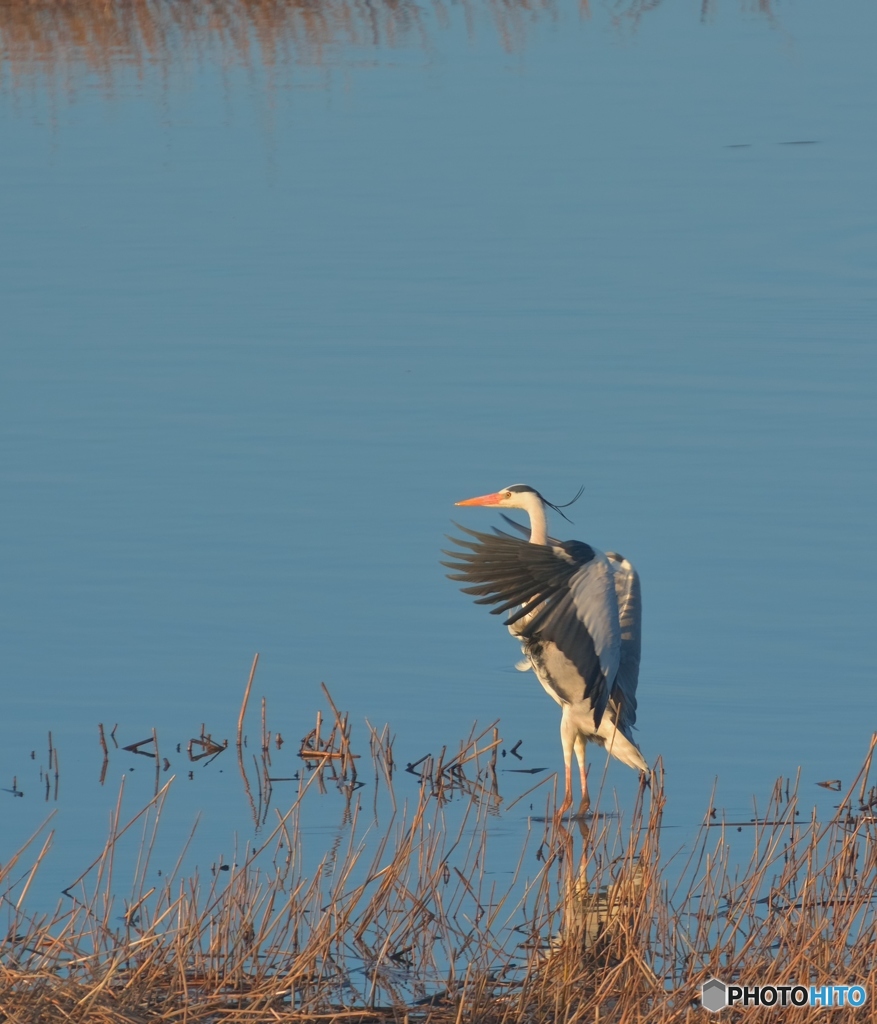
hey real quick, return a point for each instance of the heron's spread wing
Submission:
(561, 593)
(524, 530)
(628, 592)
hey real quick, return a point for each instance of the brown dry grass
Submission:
(404, 921)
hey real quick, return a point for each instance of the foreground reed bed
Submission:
(401, 916)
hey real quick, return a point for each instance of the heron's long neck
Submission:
(538, 523)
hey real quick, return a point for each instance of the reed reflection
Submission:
(53, 38)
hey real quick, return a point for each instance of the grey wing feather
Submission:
(629, 594)
(524, 530)
(563, 594)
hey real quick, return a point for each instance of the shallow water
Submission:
(265, 321)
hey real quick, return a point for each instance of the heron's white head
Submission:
(514, 496)
(518, 496)
(530, 500)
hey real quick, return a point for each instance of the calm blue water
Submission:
(260, 332)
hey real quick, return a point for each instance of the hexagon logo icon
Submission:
(714, 995)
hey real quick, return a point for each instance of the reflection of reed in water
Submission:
(55, 37)
(52, 36)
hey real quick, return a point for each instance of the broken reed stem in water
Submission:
(246, 701)
(240, 741)
(412, 921)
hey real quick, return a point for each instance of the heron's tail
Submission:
(621, 747)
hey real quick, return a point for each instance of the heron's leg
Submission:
(567, 790)
(567, 740)
(583, 773)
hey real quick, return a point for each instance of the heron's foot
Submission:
(564, 807)
(584, 807)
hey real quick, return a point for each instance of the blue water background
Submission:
(260, 332)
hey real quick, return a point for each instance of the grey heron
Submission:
(577, 613)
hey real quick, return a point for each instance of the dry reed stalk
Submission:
(157, 761)
(245, 701)
(240, 742)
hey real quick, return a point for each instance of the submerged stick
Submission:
(866, 769)
(157, 759)
(104, 748)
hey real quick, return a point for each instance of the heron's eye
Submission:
(507, 494)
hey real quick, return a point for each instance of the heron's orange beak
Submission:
(485, 499)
